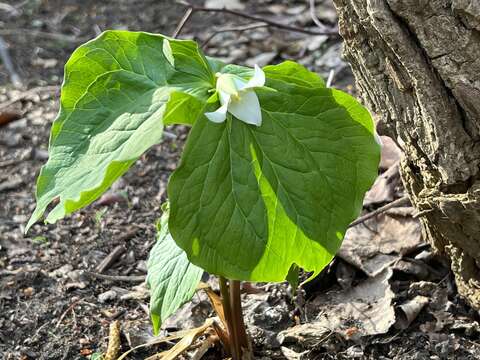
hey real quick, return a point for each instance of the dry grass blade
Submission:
(217, 304)
(206, 345)
(155, 341)
(184, 344)
(222, 335)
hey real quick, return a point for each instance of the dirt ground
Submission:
(51, 308)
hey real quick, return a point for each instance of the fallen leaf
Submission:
(365, 309)
(391, 153)
(384, 188)
(379, 242)
(408, 311)
(292, 355)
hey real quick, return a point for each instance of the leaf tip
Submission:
(167, 52)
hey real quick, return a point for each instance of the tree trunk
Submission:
(417, 67)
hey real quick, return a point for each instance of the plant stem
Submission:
(227, 310)
(239, 324)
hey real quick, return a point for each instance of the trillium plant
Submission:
(274, 169)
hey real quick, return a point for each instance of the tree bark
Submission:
(417, 67)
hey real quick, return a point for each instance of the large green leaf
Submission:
(247, 202)
(284, 75)
(292, 73)
(172, 279)
(119, 91)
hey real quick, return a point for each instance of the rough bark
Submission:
(417, 66)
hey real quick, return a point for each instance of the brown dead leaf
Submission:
(365, 309)
(408, 311)
(9, 116)
(216, 302)
(380, 242)
(384, 188)
(391, 153)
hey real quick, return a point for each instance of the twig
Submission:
(27, 93)
(332, 32)
(70, 308)
(108, 261)
(182, 22)
(207, 344)
(8, 117)
(235, 28)
(399, 202)
(7, 62)
(118, 251)
(330, 78)
(314, 17)
(12, 184)
(43, 34)
(11, 10)
(422, 213)
(139, 278)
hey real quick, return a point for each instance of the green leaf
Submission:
(293, 277)
(120, 89)
(291, 72)
(247, 202)
(283, 76)
(172, 279)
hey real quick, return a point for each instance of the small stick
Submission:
(111, 258)
(236, 28)
(207, 344)
(182, 22)
(10, 184)
(43, 34)
(330, 78)
(399, 202)
(6, 163)
(116, 252)
(313, 15)
(131, 278)
(70, 308)
(7, 62)
(332, 32)
(27, 93)
(8, 117)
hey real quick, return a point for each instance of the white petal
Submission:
(229, 83)
(257, 80)
(219, 115)
(224, 97)
(247, 108)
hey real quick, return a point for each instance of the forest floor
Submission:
(386, 295)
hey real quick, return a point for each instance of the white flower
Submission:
(237, 96)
